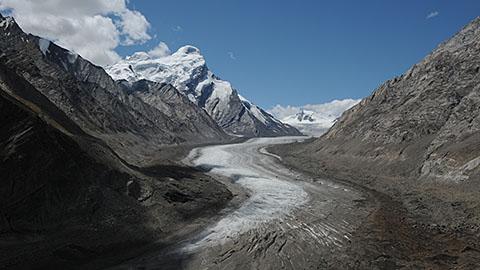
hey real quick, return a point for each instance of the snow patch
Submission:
(44, 44)
(192, 98)
(72, 57)
(6, 22)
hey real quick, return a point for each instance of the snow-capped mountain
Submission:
(315, 119)
(63, 83)
(187, 71)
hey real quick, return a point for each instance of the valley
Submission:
(287, 220)
(145, 158)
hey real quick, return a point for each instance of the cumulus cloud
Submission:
(92, 28)
(334, 108)
(281, 112)
(432, 14)
(134, 27)
(161, 50)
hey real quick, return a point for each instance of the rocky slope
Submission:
(413, 146)
(427, 119)
(168, 100)
(100, 106)
(69, 198)
(186, 69)
(417, 137)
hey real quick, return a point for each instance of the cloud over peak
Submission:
(92, 28)
(161, 50)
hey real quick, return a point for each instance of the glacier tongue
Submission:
(187, 71)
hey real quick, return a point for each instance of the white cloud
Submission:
(134, 27)
(92, 28)
(432, 14)
(161, 50)
(280, 112)
(232, 56)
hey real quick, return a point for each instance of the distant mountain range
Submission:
(187, 71)
(313, 119)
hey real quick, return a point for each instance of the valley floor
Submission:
(287, 221)
(285, 215)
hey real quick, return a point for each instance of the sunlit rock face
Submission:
(424, 123)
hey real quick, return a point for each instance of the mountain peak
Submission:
(187, 71)
(188, 49)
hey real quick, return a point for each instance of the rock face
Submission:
(168, 100)
(423, 124)
(186, 69)
(66, 197)
(100, 106)
(47, 178)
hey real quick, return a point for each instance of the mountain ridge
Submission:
(100, 106)
(72, 193)
(186, 70)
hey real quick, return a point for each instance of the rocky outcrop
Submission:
(423, 124)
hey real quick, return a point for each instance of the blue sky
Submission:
(273, 52)
(298, 52)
